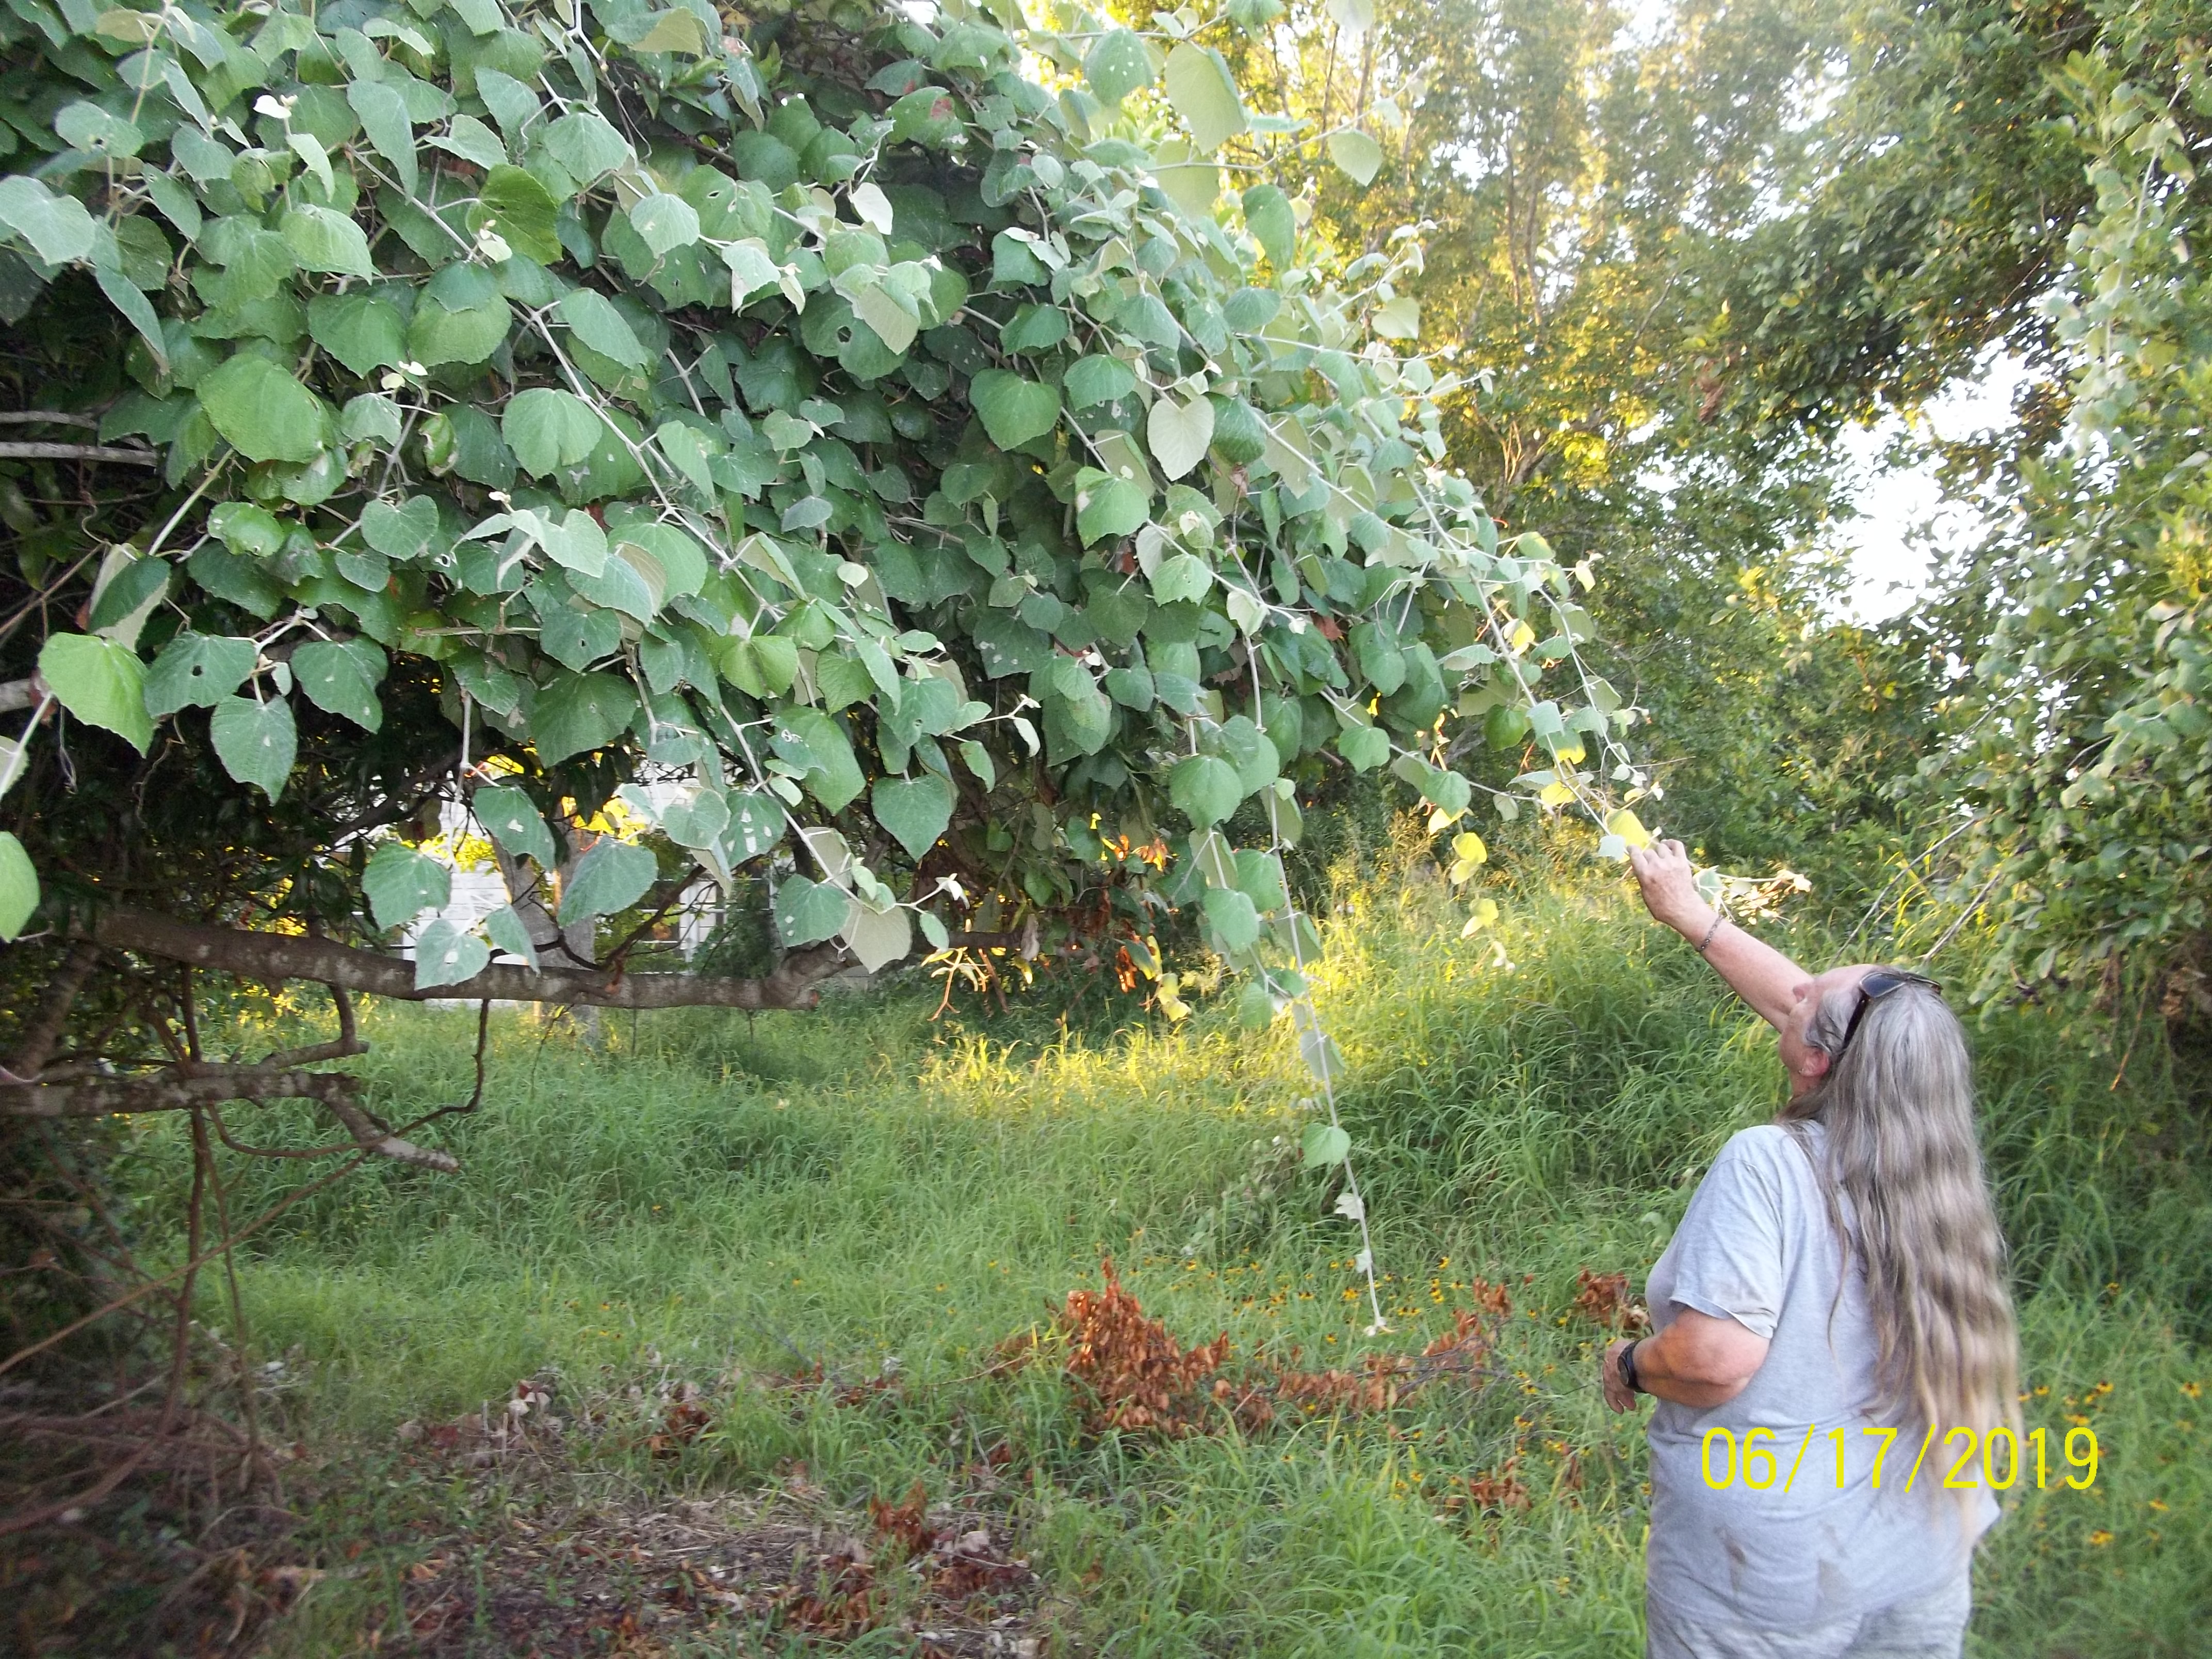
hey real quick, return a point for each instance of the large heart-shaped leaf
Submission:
(808, 912)
(1117, 64)
(197, 670)
(1273, 223)
(915, 810)
(549, 430)
(401, 884)
(447, 954)
(1013, 410)
(1204, 93)
(878, 938)
(101, 682)
(1205, 788)
(613, 876)
(1357, 154)
(261, 411)
(257, 742)
(1179, 433)
(510, 818)
(341, 678)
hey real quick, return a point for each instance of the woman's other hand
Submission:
(1618, 1395)
(1670, 889)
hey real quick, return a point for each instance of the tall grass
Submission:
(723, 1198)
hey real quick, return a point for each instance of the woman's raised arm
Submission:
(1754, 969)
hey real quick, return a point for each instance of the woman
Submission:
(1840, 1269)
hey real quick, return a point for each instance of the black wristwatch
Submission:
(1628, 1368)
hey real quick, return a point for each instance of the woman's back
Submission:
(1757, 1246)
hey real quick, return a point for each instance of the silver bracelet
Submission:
(1719, 916)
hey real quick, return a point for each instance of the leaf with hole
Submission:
(808, 912)
(340, 677)
(447, 954)
(401, 884)
(197, 670)
(257, 742)
(511, 819)
(1116, 65)
(611, 877)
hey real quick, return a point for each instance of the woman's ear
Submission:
(1815, 1065)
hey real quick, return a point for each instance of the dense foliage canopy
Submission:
(908, 468)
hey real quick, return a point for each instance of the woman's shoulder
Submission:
(1773, 1151)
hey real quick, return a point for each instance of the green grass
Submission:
(710, 1197)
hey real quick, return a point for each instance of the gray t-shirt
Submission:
(1757, 1246)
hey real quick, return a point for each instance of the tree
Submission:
(825, 424)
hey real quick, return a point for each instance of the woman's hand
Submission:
(1670, 891)
(1618, 1395)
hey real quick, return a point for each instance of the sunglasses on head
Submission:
(1872, 989)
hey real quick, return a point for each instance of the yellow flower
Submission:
(2099, 1539)
(2192, 1389)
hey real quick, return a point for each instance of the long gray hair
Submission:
(1898, 1107)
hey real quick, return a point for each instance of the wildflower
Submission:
(2192, 1389)
(2099, 1539)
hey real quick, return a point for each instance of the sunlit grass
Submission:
(723, 1200)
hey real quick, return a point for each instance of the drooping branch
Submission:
(178, 1091)
(272, 956)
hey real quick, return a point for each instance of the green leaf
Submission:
(549, 430)
(808, 912)
(510, 818)
(261, 411)
(1097, 380)
(674, 30)
(1115, 508)
(980, 762)
(666, 223)
(341, 678)
(1116, 65)
(101, 682)
(878, 938)
(522, 210)
(1235, 920)
(19, 887)
(407, 531)
(1273, 224)
(462, 317)
(323, 240)
(596, 322)
(1364, 747)
(915, 810)
(580, 712)
(384, 118)
(1397, 319)
(586, 146)
(895, 325)
(1360, 156)
(1185, 576)
(1204, 93)
(810, 739)
(611, 877)
(361, 332)
(257, 742)
(57, 227)
(1013, 410)
(446, 954)
(1324, 1144)
(1204, 789)
(1179, 433)
(1248, 749)
(197, 670)
(137, 310)
(139, 584)
(506, 931)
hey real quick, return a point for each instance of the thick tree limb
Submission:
(45, 1029)
(291, 955)
(175, 1090)
(14, 452)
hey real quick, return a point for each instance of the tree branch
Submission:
(13, 452)
(175, 1090)
(292, 956)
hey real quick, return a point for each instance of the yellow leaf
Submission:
(1555, 794)
(1468, 848)
(1521, 638)
(1484, 915)
(1630, 828)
